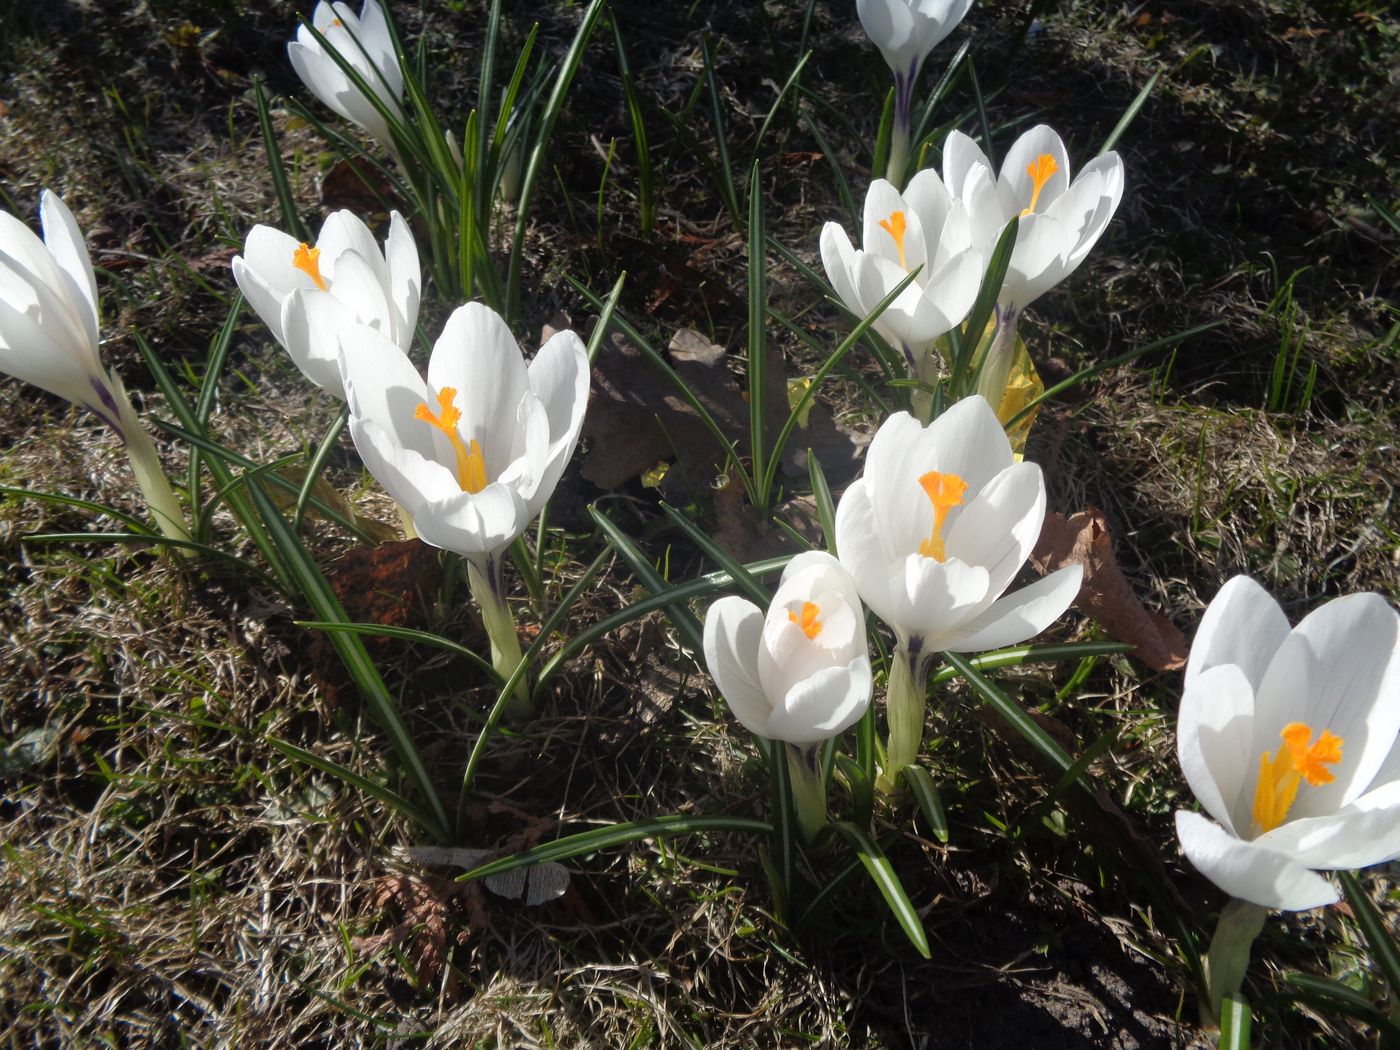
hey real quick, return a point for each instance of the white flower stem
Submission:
(487, 587)
(150, 476)
(899, 153)
(996, 367)
(1228, 957)
(808, 788)
(906, 697)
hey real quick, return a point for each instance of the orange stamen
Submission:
(944, 491)
(809, 623)
(471, 464)
(895, 226)
(308, 260)
(1041, 170)
(1282, 773)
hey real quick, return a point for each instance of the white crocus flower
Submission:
(473, 453)
(1289, 740)
(933, 534)
(364, 42)
(49, 336)
(799, 673)
(906, 31)
(921, 228)
(1059, 222)
(307, 294)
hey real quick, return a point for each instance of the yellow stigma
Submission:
(808, 621)
(308, 261)
(1040, 170)
(336, 23)
(471, 465)
(944, 491)
(1283, 772)
(895, 227)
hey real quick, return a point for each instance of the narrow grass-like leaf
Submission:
(818, 910)
(753, 590)
(758, 344)
(58, 499)
(155, 540)
(1113, 362)
(783, 93)
(784, 824)
(1375, 929)
(965, 341)
(323, 601)
(667, 598)
(1068, 779)
(821, 496)
(880, 156)
(647, 217)
(1234, 1023)
(408, 634)
(204, 401)
(983, 122)
(1013, 713)
(318, 463)
(728, 193)
(1126, 120)
(706, 417)
(952, 73)
(286, 201)
(877, 866)
(1326, 995)
(616, 835)
(862, 788)
(640, 565)
(373, 789)
(600, 330)
(553, 107)
(838, 171)
(930, 801)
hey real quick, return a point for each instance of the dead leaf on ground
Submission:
(1106, 595)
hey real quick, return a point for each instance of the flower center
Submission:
(944, 491)
(1040, 170)
(336, 23)
(308, 261)
(471, 465)
(808, 621)
(1281, 774)
(895, 227)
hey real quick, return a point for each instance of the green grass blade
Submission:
(60, 500)
(616, 835)
(862, 788)
(880, 156)
(155, 540)
(1374, 928)
(605, 316)
(1031, 654)
(1126, 120)
(1328, 996)
(753, 590)
(408, 634)
(553, 107)
(645, 188)
(725, 170)
(640, 565)
(1013, 713)
(877, 866)
(1234, 1023)
(390, 798)
(951, 75)
(964, 375)
(784, 825)
(981, 103)
(826, 506)
(930, 801)
(286, 201)
(318, 463)
(783, 93)
(318, 594)
(838, 171)
(818, 911)
(758, 344)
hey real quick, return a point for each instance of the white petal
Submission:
(1014, 184)
(1248, 871)
(312, 323)
(966, 440)
(1356, 836)
(902, 512)
(882, 200)
(733, 628)
(1338, 670)
(1018, 616)
(928, 198)
(412, 479)
(862, 550)
(827, 703)
(405, 277)
(890, 26)
(65, 242)
(363, 294)
(320, 74)
(382, 386)
(1213, 739)
(269, 253)
(344, 231)
(484, 522)
(931, 597)
(32, 355)
(266, 302)
(960, 155)
(1039, 262)
(478, 357)
(838, 259)
(998, 528)
(1242, 625)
